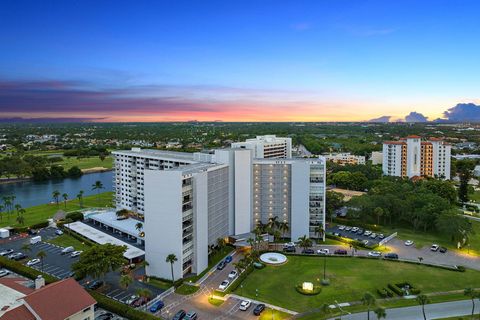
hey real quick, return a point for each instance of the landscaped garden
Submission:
(349, 279)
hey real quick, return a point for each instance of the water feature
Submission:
(31, 193)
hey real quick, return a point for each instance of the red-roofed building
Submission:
(61, 300)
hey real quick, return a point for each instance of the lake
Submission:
(31, 193)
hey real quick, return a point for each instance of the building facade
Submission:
(345, 158)
(190, 201)
(267, 147)
(411, 157)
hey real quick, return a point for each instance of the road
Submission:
(432, 311)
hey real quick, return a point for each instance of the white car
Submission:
(373, 235)
(76, 254)
(323, 251)
(58, 232)
(435, 247)
(223, 285)
(233, 274)
(375, 254)
(33, 262)
(6, 252)
(408, 242)
(130, 300)
(245, 305)
(367, 233)
(354, 229)
(4, 273)
(289, 244)
(341, 227)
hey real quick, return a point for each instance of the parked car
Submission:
(443, 249)
(191, 315)
(348, 228)
(434, 247)
(409, 243)
(228, 259)
(140, 302)
(323, 251)
(105, 316)
(367, 233)
(381, 236)
(4, 272)
(289, 249)
(33, 262)
(360, 231)
(341, 251)
(245, 305)
(341, 227)
(336, 234)
(308, 251)
(221, 265)
(131, 299)
(233, 274)
(95, 284)
(365, 242)
(75, 254)
(17, 256)
(58, 232)
(373, 235)
(375, 254)
(67, 250)
(354, 229)
(259, 309)
(6, 252)
(289, 244)
(32, 232)
(157, 306)
(391, 255)
(179, 315)
(223, 285)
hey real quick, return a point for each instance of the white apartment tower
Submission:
(188, 201)
(267, 147)
(412, 157)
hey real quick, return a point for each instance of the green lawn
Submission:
(212, 261)
(43, 212)
(270, 314)
(66, 240)
(350, 279)
(186, 289)
(159, 283)
(86, 163)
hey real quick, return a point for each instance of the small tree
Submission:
(26, 247)
(171, 258)
(41, 255)
(56, 196)
(98, 185)
(125, 281)
(423, 300)
(21, 220)
(369, 301)
(80, 198)
(380, 312)
(65, 198)
(139, 226)
(143, 292)
(472, 294)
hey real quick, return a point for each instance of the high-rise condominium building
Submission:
(190, 201)
(267, 147)
(412, 157)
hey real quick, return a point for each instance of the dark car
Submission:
(157, 306)
(228, 259)
(360, 231)
(32, 232)
(94, 285)
(140, 302)
(105, 316)
(341, 251)
(443, 249)
(18, 256)
(391, 255)
(289, 249)
(308, 251)
(259, 309)
(221, 265)
(179, 315)
(192, 315)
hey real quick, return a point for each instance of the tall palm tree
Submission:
(305, 242)
(273, 223)
(144, 264)
(56, 196)
(125, 281)
(80, 198)
(1, 212)
(139, 226)
(7, 204)
(380, 312)
(369, 301)
(319, 231)
(65, 198)
(276, 237)
(284, 227)
(423, 300)
(41, 255)
(472, 294)
(17, 208)
(26, 247)
(21, 220)
(98, 185)
(171, 258)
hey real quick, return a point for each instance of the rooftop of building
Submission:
(265, 138)
(157, 154)
(195, 167)
(109, 218)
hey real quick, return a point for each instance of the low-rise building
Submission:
(345, 158)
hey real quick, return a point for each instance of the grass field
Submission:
(43, 212)
(66, 240)
(86, 163)
(350, 279)
(269, 314)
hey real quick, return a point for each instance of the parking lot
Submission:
(356, 233)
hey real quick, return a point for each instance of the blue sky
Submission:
(327, 60)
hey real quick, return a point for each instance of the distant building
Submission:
(267, 147)
(61, 300)
(345, 158)
(377, 157)
(411, 157)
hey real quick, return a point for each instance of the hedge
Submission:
(25, 271)
(74, 216)
(395, 289)
(120, 309)
(240, 279)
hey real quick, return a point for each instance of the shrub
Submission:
(40, 225)
(395, 289)
(461, 268)
(119, 308)
(415, 291)
(316, 290)
(382, 293)
(74, 216)
(25, 271)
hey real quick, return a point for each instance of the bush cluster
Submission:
(25, 271)
(316, 290)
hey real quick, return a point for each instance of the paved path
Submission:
(432, 311)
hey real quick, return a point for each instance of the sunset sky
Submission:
(324, 60)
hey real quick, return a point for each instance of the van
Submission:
(68, 250)
(35, 239)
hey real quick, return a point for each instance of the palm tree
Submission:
(276, 237)
(171, 258)
(139, 226)
(472, 294)
(380, 312)
(41, 255)
(319, 231)
(65, 198)
(125, 281)
(56, 195)
(80, 198)
(1, 212)
(17, 208)
(7, 204)
(369, 301)
(220, 243)
(26, 247)
(305, 242)
(144, 264)
(284, 227)
(423, 300)
(273, 223)
(98, 185)
(143, 292)
(21, 220)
